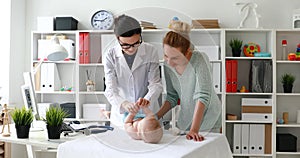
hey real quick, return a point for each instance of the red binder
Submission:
(86, 48)
(228, 76)
(234, 66)
(80, 55)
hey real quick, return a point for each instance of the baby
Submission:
(147, 129)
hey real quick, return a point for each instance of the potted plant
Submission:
(287, 81)
(23, 118)
(236, 46)
(54, 119)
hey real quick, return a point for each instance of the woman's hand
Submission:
(194, 136)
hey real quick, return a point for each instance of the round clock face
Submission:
(102, 20)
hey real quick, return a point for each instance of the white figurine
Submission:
(247, 7)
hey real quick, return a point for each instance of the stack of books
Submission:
(147, 25)
(205, 24)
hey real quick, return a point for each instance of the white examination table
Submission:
(117, 143)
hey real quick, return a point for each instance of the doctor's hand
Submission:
(130, 107)
(143, 102)
(194, 136)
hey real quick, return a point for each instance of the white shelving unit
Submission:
(232, 101)
(73, 75)
(288, 102)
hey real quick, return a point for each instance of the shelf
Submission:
(55, 32)
(215, 61)
(249, 58)
(93, 64)
(252, 154)
(56, 92)
(291, 124)
(288, 94)
(57, 62)
(287, 62)
(95, 92)
(248, 94)
(288, 153)
(241, 121)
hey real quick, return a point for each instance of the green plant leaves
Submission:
(22, 116)
(55, 116)
(287, 79)
(235, 43)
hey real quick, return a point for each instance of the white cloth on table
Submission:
(118, 144)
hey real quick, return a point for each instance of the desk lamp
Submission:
(56, 53)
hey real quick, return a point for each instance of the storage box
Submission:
(256, 109)
(45, 23)
(65, 23)
(286, 142)
(256, 102)
(256, 117)
(94, 111)
(69, 108)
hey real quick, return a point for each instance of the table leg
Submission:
(30, 151)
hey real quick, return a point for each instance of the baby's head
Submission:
(150, 130)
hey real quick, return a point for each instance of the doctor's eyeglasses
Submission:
(136, 44)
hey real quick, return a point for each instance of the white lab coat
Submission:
(142, 81)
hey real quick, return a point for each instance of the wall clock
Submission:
(102, 20)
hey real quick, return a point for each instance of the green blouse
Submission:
(195, 84)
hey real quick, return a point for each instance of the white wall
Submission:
(274, 14)
(5, 45)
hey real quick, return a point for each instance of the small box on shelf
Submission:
(286, 142)
(65, 23)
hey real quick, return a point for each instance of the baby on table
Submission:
(145, 128)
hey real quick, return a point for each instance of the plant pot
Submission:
(288, 88)
(236, 52)
(54, 132)
(22, 131)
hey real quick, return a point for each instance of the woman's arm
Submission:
(164, 109)
(197, 118)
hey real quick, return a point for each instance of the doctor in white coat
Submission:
(131, 71)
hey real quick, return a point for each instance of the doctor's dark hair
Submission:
(126, 26)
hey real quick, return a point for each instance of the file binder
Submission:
(234, 68)
(81, 45)
(216, 67)
(86, 48)
(245, 138)
(50, 80)
(257, 139)
(228, 76)
(268, 138)
(237, 135)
